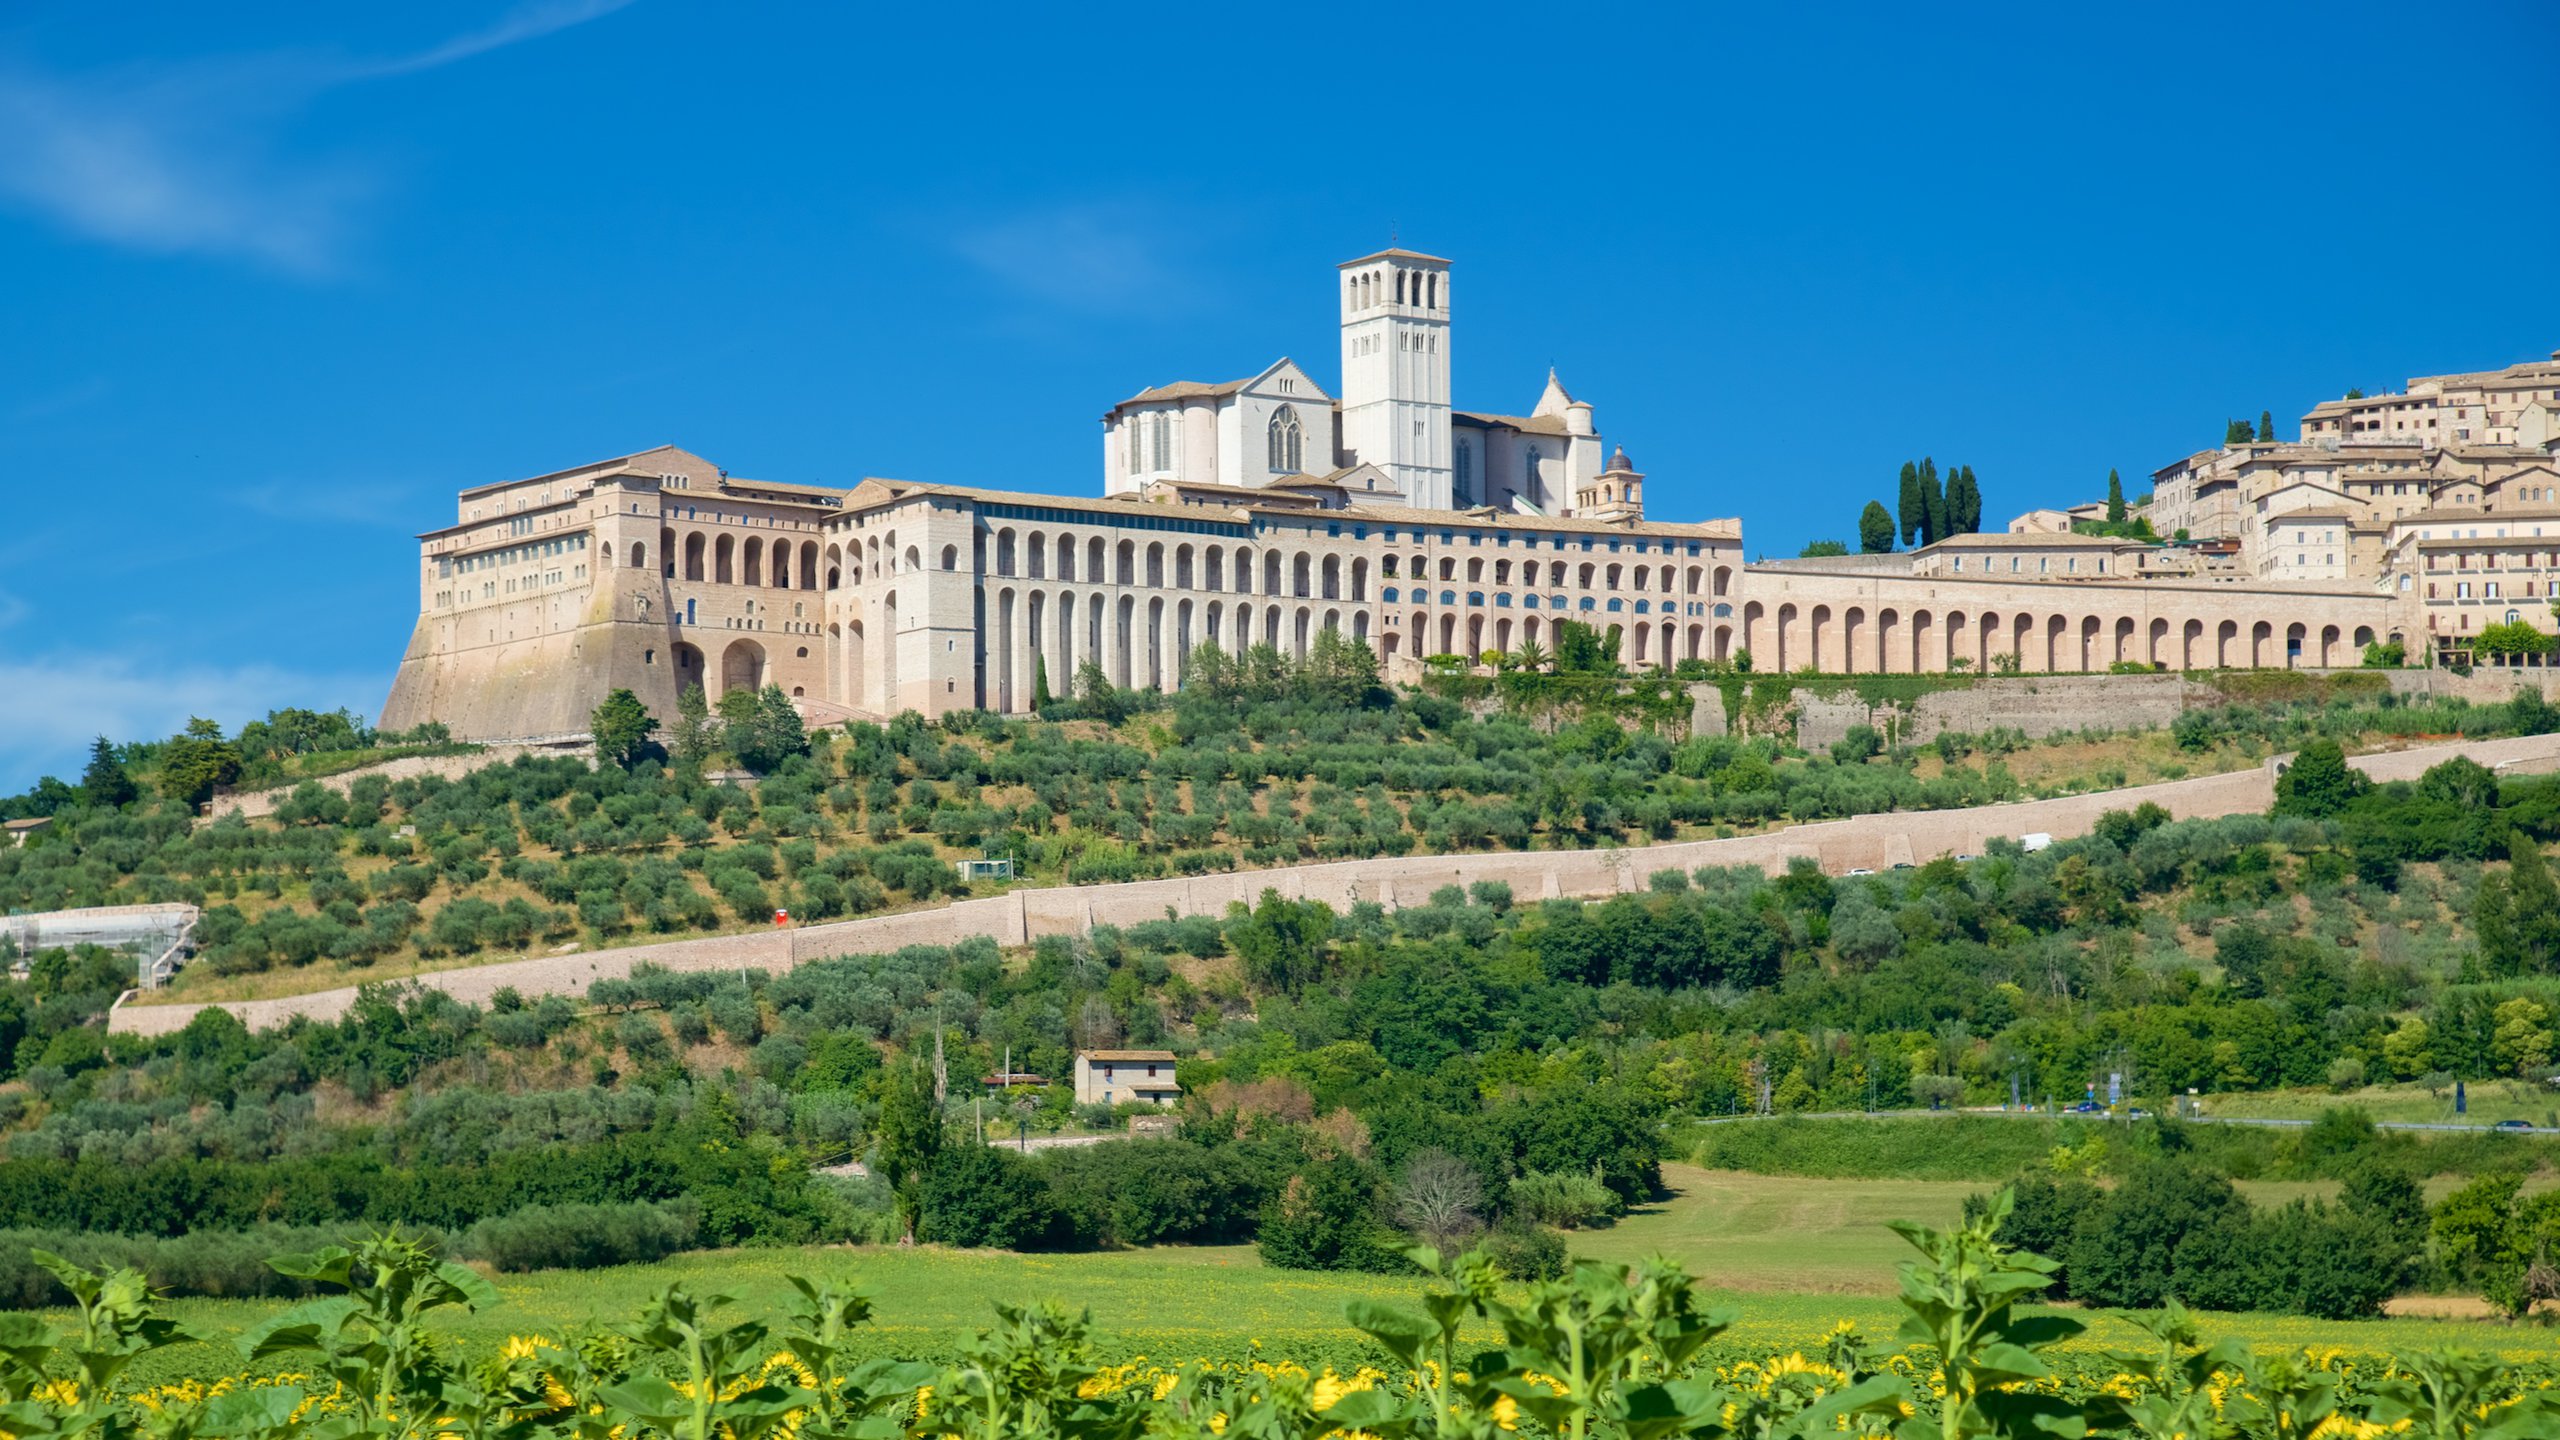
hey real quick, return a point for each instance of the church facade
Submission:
(1256, 511)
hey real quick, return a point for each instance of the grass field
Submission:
(1795, 1256)
(2490, 1102)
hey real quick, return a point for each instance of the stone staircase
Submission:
(817, 714)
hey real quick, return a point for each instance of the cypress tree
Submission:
(2115, 499)
(1971, 521)
(1933, 503)
(2266, 427)
(105, 783)
(2535, 907)
(1914, 513)
(1875, 529)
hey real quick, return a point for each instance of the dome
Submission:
(1619, 464)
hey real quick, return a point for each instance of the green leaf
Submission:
(1403, 1333)
(475, 1287)
(2003, 1361)
(258, 1410)
(1653, 1411)
(648, 1398)
(299, 1328)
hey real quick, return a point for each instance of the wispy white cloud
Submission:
(51, 708)
(529, 21)
(1093, 256)
(185, 157)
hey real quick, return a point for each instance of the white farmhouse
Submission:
(1108, 1077)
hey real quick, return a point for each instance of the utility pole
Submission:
(941, 1072)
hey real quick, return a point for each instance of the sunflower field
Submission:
(1611, 1351)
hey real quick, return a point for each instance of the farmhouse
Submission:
(1108, 1077)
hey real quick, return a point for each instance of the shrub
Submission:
(582, 1237)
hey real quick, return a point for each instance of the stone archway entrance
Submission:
(742, 666)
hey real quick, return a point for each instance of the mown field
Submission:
(2490, 1102)
(1795, 1256)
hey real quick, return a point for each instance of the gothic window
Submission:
(1164, 442)
(1132, 425)
(1529, 471)
(1466, 477)
(1287, 442)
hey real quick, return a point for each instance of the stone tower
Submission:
(1395, 370)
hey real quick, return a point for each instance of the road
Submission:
(1997, 1113)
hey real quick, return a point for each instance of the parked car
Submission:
(1860, 870)
(2085, 1107)
(2513, 1125)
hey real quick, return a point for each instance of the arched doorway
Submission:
(742, 666)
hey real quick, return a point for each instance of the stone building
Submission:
(1264, 510)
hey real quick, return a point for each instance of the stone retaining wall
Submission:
(1020, 916)
(253, 804)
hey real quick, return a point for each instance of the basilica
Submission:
(1244, 512)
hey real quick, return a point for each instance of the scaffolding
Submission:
(159, 937)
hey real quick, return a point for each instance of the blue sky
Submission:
(275, 281)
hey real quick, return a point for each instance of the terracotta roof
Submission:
(1161, 1057)
(614, 463)
(1533, 424)
(1392, 253)
(2029, 540)
(2315, 513)
(784, 487)
(1185, 390)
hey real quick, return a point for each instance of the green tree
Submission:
(2237, 432)
(1913, 510)
(910, 1137)
(1819, 549)
(1280, 942)
(2490, 1237)
(2511, 640)
(622, 727)
(1340, 670)
(193, 763)
(2534, 908)
(1933, 502)
(695, 734)
(2320, 782)
(1964, 503)
(1875, 529)
(105, 783)
(2115, 499)
(2266, 427)
(1041, 699)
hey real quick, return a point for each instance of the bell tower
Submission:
(1395, 370)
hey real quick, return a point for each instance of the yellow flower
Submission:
(1506, 1412)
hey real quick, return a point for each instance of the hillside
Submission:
(540, 856)
(1528, 1064)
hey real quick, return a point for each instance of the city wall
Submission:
(252, 804)
(1020, 916)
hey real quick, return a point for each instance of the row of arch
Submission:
(1146, 644)
(723, 560)
(1647, 644)
(1857, 639)
(1590, 575)
(1302, 575)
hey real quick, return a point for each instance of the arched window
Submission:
(1466, 477)
(1287, 442)
(1529, 471)
(1164, 442)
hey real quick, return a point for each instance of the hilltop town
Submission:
(1268, 509)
